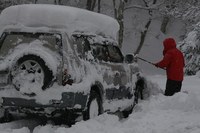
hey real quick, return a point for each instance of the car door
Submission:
(121, 73)
(100, 53)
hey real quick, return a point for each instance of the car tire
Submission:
(31, 66)
(126, 113)
(94, 106)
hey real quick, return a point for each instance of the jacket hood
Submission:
(169, 43)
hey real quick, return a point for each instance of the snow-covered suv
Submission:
(56, 59)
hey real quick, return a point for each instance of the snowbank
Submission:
(159, 114)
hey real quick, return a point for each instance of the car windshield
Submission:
(10, 40)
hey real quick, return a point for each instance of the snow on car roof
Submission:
(62, 17)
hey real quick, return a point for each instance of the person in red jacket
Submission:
(173, 62)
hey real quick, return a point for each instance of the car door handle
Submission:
(117, 74)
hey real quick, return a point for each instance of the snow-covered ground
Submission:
(159, 114)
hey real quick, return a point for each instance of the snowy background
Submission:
(158, 114)
(135, 20)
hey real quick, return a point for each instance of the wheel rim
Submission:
(28, 77)
(94, 109)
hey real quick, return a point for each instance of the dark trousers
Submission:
(172, 87)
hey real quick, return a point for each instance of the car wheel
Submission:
(30, 75)
(94, 106)
(127, 112)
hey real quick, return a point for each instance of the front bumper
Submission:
(70, 100)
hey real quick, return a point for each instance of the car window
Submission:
(12, 39)
(82, 46)
(79, 46)
(115, 54)
(99, 52)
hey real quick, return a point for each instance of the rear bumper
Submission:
(70, 100)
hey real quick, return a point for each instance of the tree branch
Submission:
(154, 7)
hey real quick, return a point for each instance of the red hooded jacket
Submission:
(173, 60)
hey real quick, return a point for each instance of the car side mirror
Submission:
(129, 58)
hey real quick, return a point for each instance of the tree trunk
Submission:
(99, 6)
(90, 5)
(166, 18)
(1, 6)
(57, 2)
(115, 9)
(119, 15)
(163, 27)
(144, 33)
(142, 37)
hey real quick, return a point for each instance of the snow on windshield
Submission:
(72, 19)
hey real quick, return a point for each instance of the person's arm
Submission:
(165, 61)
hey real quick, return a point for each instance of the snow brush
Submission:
(145, 60)
(137, 57)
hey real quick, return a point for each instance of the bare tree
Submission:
(99, 6)
(169, 5)
(1, 6)
(6, 3)
(185, 10)
(90, 5)
(147, 25)
(164, 24)
(57, 2)
(119, 7)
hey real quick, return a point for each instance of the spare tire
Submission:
(30, 75)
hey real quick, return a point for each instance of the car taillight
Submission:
(4, 77)
(66, 78)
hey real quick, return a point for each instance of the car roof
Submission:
(61, 17)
